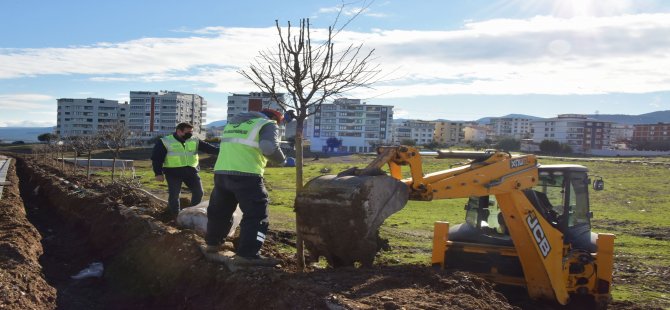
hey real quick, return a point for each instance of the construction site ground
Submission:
(52, 225)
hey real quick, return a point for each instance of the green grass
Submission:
(636, 198)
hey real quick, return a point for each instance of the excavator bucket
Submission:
(339, 215)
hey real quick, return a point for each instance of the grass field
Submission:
(635, 206)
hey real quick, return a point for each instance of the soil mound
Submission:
(21, 283)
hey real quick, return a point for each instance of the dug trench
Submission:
(150, 264)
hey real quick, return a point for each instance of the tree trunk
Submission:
(299, 245)
(74, 167)
(116, 155)
(88, 166)
(62, 159)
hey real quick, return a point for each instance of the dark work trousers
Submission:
(250, 193)
(175, 177)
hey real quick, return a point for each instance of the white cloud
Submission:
(26, 102)
(540, 55)
(25, 123)
(572, 8)
(400, 113)
(332, 9)
(658, 103)
(351, 11)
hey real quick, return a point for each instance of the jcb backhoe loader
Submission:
(526, 224)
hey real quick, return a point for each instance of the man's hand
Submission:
(160, 178)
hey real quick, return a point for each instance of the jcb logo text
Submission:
(538, 234)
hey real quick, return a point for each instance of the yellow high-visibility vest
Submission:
(180, 155)
(239, 150)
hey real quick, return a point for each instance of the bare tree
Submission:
(88, 144)
(60, 145)
(41, 152)
(72, 143)
(115, 137)
(52, 149)
(311, 72)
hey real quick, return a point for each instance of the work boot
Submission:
(255, 261)
(218, 257)
(236, 262)
(226, 246)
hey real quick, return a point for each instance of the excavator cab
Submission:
(483, 245)
(561, 196)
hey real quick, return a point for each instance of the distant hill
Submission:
(648, 118)
(217, 124)
(26, 134)
(487, 120)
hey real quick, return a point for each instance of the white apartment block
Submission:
(77, 117)
(158, 113)
(621, 132)
(449, 132)
(256, 101)
(420, 131)
(476, 133)
(358, 125)
(511, 127)
(582, 134)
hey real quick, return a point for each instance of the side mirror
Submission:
(598, 184)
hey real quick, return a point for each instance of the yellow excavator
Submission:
(526, 224)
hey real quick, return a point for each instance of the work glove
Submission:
(289, 116)
(290, 162)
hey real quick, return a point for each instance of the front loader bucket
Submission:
(339, 216)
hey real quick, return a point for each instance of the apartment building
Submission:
(476, 133)
(449, 132)
(254, 101)
(578, 131)
(651, 132)
(359, 126)
(77, 117)
(154, 114)
(422, 132)
(621, 132)
(511, 127)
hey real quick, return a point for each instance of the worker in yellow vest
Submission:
(175, 159)
(248, 141)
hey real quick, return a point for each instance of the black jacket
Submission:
(159, 152)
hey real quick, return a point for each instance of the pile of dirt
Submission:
(21, 283)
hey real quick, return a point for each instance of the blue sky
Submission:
(459, 60)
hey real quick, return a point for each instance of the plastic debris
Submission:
(196, 218)
(94, 270)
